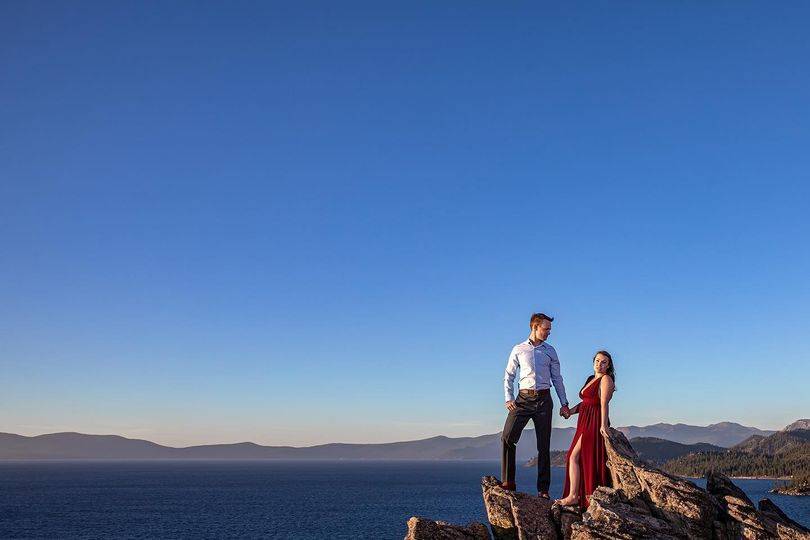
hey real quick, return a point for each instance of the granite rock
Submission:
(514, 515)
(642, 502)
(611, 515)
(425, 529)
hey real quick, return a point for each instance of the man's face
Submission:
(542, 330)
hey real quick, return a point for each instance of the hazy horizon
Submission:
(299, 224)
(528, 428)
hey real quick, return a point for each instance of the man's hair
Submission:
(538, 318)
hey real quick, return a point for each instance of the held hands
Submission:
(565, 412)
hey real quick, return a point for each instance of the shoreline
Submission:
(744, 477)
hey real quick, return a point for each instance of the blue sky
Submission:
(302, 223)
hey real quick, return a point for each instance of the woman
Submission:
(586, 463)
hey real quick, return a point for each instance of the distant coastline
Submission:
(783, 457)
(82, 446)
(743, 477)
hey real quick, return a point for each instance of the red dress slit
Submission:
(593, 471)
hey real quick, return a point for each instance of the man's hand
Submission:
(565, 412)
(510, 405)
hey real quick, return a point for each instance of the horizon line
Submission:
(361, 443)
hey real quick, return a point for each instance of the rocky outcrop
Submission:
(611, 515)
(801, 490)
(803, 423)
(742, 519)
(767, 507)
(679, 502)
(425, 529)
(564, 518)
(515, 515)
(643, 502)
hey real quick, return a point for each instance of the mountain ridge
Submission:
(778, 443)
(74, 445)
(803, 423)
(785, 453)
(658, 451)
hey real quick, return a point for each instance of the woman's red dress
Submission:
(593, 471)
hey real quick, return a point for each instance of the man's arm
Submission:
(512, 366)
(557, 380)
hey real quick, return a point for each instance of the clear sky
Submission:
(296, 223)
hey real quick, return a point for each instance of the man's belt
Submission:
(535, 393)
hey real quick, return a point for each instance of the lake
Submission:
(269, 499)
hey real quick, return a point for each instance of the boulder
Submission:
(514, 515)
(564, 518)
(676, 500)
(425, 529)
(743, 520)
(611, 515)
(738, 513)
(767, 507)
(785, 527)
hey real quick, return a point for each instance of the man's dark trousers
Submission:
(538, 408)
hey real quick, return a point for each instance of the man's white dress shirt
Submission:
(539, 369)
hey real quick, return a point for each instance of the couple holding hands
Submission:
(586, 461)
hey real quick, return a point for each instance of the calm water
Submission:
(270, 499)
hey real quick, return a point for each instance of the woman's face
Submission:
(601, 364)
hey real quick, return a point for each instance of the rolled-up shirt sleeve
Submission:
(556, 377)
(512, 366)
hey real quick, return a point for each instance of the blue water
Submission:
(269, 499)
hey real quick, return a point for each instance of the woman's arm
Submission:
(605, 393)
(575, 409)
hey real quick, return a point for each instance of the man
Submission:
(539, 369)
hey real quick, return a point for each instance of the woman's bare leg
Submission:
(573, 477)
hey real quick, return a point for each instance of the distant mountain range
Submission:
(659, 450)
(725, 434)
(784, 453)
(778, 443)
(650, 449)
(82, 446)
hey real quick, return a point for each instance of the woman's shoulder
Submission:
(606, 381)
